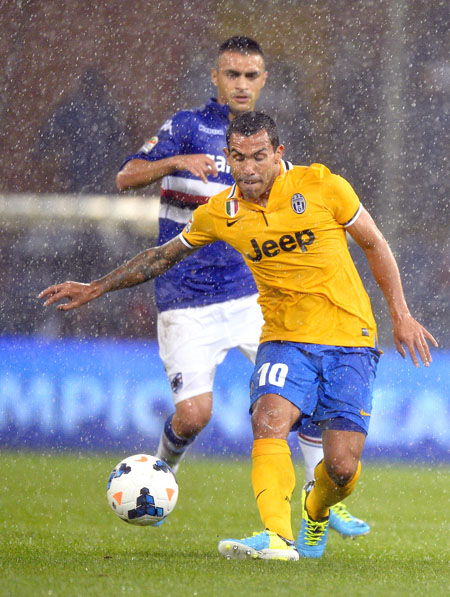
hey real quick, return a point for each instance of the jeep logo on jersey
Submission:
(232, 207)
(298, 203)
(287, 242)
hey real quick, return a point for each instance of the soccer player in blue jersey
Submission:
(207, 303)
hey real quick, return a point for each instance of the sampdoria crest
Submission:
(176, 382)
(298, 203)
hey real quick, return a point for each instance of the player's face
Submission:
(254, 164)
(239, 79)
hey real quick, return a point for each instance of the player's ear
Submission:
(226, 152)
(279, 153)
(264, 78)
(214, 76)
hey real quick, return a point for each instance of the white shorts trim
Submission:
(193, 341)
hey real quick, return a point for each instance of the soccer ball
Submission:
(142, 490)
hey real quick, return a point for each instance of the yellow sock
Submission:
(273, 480)
(326, 493)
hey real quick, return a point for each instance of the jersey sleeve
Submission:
(200, 229)
(342, 200)
(173, 138)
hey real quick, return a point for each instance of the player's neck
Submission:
(261, 200)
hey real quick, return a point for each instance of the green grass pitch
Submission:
(58, 535)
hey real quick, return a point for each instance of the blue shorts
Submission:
(330, 385)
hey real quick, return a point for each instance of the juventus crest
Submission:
(298, 203)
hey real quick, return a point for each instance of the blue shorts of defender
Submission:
(330, 385)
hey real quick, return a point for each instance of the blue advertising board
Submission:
(111, 394)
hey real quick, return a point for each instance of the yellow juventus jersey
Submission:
(296, 248)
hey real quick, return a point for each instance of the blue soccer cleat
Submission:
(264, 546)
(313, 535)
(344, 523)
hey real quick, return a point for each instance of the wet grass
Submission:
(58, 535)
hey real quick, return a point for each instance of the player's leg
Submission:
(337, 473)
(182, 427)
(273, 476)
(192, 342)
(273, 481)
(341, 520)
(335, 479)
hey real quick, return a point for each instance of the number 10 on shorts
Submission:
(273, 373)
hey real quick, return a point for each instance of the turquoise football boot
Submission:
(345, 523)
(313, 535)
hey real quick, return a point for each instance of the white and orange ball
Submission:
(142, 490)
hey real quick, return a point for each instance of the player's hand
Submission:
(198, 164)
(411, 334)
(76, 293)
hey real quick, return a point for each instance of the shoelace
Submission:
(341, 511)
(315, 531)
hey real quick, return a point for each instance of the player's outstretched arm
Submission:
(407, 331)
(140, 173)
(143, 267)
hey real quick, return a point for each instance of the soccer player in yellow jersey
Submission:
(318, 351)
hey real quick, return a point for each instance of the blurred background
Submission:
(362, 87)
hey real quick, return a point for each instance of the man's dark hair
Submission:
(250, 123)
(243, 45)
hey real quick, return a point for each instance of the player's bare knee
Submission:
(273, 416)
(341, 471)
(267, 423)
